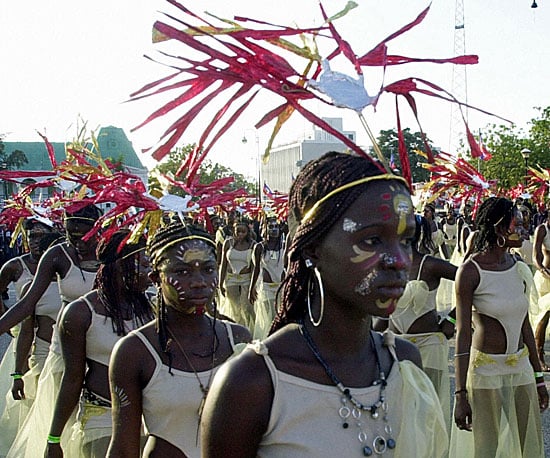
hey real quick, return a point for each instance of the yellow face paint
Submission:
(403, 208)
(194, 255)
(362, 255)
(386, 305)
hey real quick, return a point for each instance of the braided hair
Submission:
(109, 251)
(317, 179)
(423, 235)
(493, 212)
(157, 245)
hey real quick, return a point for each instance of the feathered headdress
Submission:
(243, 56)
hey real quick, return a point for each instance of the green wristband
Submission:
(539, 374)
(54, 439)
(450, 319)
(17, 375)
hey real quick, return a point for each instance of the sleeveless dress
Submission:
(416, 301)
(306, 417)
(265, 307)
(171, 402)
(76, 283)
(501, 387)
(236, 304)
(91, 432)
(12, 412)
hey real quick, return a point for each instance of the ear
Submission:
(311, 253)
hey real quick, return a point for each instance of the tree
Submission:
(14, 160)
(505, 143)
(388, 142)
(208, 171)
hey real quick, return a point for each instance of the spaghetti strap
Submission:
(421, 266)
(229, 330)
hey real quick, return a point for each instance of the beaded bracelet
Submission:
(16, 375)
(54, 439)
(541, 384)
(450, 319)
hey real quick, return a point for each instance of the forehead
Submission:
(78, 225)
(190, 250)
(383, 203)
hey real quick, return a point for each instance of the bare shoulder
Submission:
(407, 351)
(441, 268)
(241, 334)
(76, 316)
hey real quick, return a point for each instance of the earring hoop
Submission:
(503, 239)
(321, 294)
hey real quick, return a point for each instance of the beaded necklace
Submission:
(354, 412)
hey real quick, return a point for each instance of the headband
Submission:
(386, 176)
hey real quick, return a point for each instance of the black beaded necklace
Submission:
(380, 443)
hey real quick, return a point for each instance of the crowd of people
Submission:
(324, 333)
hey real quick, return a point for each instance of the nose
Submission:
(397, 259)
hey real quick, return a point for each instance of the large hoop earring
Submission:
(321, 294)
(499, 238)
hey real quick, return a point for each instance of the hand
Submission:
(463, 412)
(18, 389)
(543, 397)
(53, 451)
(447, 328)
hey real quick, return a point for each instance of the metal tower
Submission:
(459, 82)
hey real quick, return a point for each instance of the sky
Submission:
(70, 59)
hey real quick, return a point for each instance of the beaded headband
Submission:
(386, 176)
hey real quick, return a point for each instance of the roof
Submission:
(113, 143)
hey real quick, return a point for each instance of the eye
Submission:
(371, 241)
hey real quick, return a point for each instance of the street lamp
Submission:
(258, 166)
(525, 152)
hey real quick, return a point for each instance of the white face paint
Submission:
(123, 400)
(349, 225)
(364, 288)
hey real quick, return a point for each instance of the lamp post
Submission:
(525, 152)
(258, 164)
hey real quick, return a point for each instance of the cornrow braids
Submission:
(107, 280)
(157, 245)
(423, 235)
(317, 179)
(493, 212)
(88, 213)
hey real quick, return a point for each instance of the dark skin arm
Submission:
(241, 390)
(52, 262)
(529, 341)
(223, 266)
(257, 263)
(467, 281)
(22, 350)
(74, 324)
(10, 272)
(130, 369)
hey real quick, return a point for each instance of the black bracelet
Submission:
(463, 390)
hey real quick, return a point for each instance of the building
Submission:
(285, 161)
(113, 144)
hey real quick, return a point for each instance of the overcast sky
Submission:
(66, 58)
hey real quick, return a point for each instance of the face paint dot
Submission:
(386, 196)
(349, 225)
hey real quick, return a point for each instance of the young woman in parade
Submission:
(75, 264)
(162, 371)
(416, 318)
(235, 274)
(89, 327)
(499, 384)
(14, 402)
(323, 383)
(266, 276)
